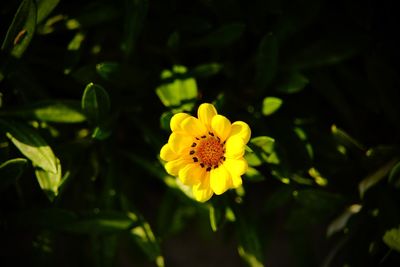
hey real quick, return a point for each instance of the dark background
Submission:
(329, 62)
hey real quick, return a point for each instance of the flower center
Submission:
(208, 151)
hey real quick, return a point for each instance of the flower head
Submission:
(206, 153)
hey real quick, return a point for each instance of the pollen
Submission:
(210, 151)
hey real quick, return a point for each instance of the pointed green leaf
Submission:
(135, 14)
(206, 70)
(222, 36)
(394, 175)
(49, 182)
(264, 142)
(271, 105)
(22, 29)
(266, 61)
(376, 177)
(44, 8)
(31, 144)
(292, 83)
(249, 247)
(10, 171)
(50, 111)
(95, 103)
(217, 215)
(105, 222)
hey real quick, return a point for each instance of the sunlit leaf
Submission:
(264, 142)
(271, 105)
(392, 239)
(22, 29)
(179, 90)
(49, 182)
(345, 139)
(95, 103)
(31, 144)
(50, 111)
(10, 171)
(44, 8)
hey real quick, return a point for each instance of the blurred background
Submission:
(87, 89)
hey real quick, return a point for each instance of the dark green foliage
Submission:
(87, 90)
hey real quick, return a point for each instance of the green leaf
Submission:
(217, 215)
(392, 239)
(22, 29)
(292, 83)
(107, 70)
(165, 120)
(331, 49)
(49, 182)
(206, 70)
(145, 239)
(222, 36)
(50, 111)
(44, 8)
(266, 61)
(264, 142)
(249, 246)
(143, 235)
(105, 222)
(394, 175)
(31, 144)
(95, 103)
(179, 91)
(254, 175)
(375, 177)
(10, 171)
(347, 140)
(271, 105)
(93, 15)
(135, 14)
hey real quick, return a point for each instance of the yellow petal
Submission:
(178, 142)
(203, 192)
(173, 167)
(193, 126)
(167, 153)
(220, 180)
(236, 181)
(221, 126)
(236, 167)
(242, 129)
(175, 122)
(191, 174)
(205, 113)
(234, 147)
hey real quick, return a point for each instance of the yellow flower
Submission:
(206, 153)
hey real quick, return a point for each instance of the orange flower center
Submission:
(208, 151)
